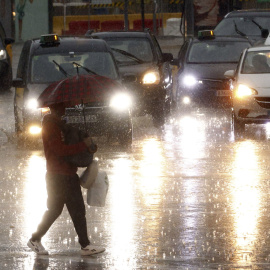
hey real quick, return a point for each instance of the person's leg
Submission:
(56, 189)
(76, 209)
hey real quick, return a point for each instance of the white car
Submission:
(251, 87)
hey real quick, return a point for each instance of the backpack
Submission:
(74, 135)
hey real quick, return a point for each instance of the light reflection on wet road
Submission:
(190, 196)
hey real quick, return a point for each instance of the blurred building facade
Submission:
(36, 17)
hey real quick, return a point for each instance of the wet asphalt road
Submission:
(188, 196)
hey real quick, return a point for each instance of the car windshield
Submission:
(256, 62)
(44, 70)
(246, 25)
(138, 47)
(216, 52)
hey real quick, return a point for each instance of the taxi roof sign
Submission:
(49, 39)
(206, 34)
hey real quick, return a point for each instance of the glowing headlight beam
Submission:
(120, 102)
(186, 100)
(151, 77)
(35, 130)
(32, 104)
(243, 90)
(189, 80)
(45, 110)
(3, 54)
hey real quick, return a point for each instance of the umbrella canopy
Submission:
(78, 89)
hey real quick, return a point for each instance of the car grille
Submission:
(214, 84)
(264, 102)
(90, 114)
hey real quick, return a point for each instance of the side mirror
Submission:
(9, 41)
(229, 74)
(89, 33)
(18, 82)
(264, 33)
(129, 78)
(167, 57)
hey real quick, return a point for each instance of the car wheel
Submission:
(125, 137)
(28, 142)
(168, 106)
(17, 130)
(158, 116)
(174, 105)
(5, 87)
(238, 126)
(7, 82)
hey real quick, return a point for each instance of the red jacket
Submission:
(55, 149)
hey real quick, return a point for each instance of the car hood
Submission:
(256, 81)
(209, 71)
(103, 95)
(136, 69)
(36, 89)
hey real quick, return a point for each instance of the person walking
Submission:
(63, 184)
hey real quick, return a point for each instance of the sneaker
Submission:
(91, 250)
(37, 247)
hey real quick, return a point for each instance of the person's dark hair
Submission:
(58, 108)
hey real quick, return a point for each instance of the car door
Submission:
(165, 69)
(182, 56)
(20, 84)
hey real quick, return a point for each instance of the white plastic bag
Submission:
(89, 175)
(96, 194)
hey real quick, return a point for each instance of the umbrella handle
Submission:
(85, 128)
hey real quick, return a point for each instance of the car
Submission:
(5, 60)
(50, 59)
(254, 24)
(250, 84)
(201, 63)
(139, 56)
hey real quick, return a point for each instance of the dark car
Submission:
(201, 64)
(138, 54)
(254, 24)
(44, 61)
(5, 60)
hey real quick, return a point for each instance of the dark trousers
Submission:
(63, 189)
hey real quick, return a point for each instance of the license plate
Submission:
(80, 119)
(223, 93)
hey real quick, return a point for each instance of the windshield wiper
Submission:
(85, 68)
(238, 31)
(257, 24)
(129, 55)
(264, 32)
(61, 69)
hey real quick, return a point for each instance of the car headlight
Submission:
(32, 104)
(243, 91)
(120, 102)
(3, 54)
(189, 80)
(151, 77)
(35, 130)
(186, 100)
(45, 110)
